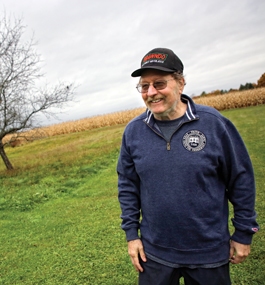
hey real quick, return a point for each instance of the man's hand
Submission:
(238, 252)
(135, 248)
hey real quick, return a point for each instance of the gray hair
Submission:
(178, 76)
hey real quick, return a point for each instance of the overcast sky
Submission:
(98, 44)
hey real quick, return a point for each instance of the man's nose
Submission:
(151, 90)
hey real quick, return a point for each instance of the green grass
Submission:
(59, 213)
(251, 124)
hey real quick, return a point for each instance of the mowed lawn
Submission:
(60, 217)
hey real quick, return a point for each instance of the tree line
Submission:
(247, 86)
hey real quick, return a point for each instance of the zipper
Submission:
(168, 143)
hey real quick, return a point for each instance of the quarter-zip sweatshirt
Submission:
(176, 192)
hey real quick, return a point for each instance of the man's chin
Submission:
(161, 116)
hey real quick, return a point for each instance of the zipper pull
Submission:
(168, 146)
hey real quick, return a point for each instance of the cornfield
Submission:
(93, 122)
(237, 99)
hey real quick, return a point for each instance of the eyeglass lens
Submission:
(158, 85)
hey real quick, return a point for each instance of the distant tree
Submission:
(216, 92)
(203, 93)
(241, 87)
(247, 86)
(232, 90)
(223, 91)
(20, 99)
(261, 81)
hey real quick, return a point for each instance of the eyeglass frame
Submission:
(139, 85)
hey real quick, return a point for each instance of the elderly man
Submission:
(179, 165)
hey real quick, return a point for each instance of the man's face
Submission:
(162, 103)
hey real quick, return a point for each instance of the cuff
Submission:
(242, 237)
(132, 234)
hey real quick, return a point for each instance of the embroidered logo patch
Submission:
(154, 57)
(194, 140)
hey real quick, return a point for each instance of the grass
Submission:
(59, 213)
(251, 124)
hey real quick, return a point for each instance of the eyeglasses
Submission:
(158, 85)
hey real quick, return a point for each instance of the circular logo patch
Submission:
(194, 140)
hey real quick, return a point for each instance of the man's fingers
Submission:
(135, 248)
(236, 259)
(142, 254)
(135, 261)
(238, 252)
(232, 251)
(136, 264)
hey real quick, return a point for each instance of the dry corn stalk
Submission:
(237, 99)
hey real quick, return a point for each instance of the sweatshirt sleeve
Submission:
(240, 183)
(129, 193)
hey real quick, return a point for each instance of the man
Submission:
(180, 163)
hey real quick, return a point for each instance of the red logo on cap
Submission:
(255, 229)
(160, 56)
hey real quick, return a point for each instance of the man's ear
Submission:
(181, 85)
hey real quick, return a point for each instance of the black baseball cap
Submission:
(161, 59)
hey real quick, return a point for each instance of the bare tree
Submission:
(20, 99)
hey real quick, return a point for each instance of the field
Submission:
(221, 102)
(59, 212)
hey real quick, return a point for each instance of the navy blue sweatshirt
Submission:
(181, 187)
